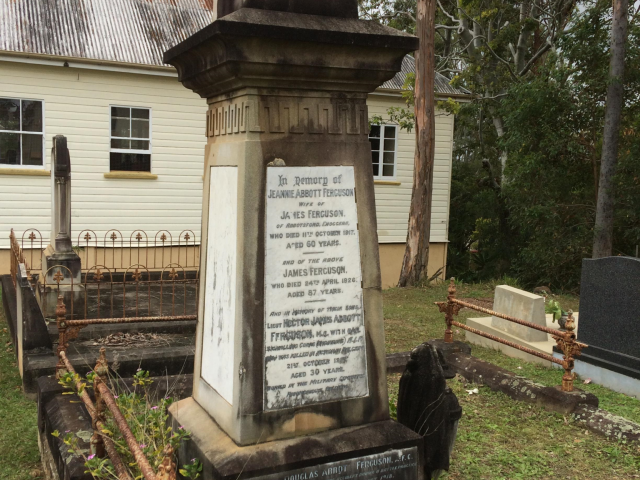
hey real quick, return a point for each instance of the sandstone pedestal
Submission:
(290, 343)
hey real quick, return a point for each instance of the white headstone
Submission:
(523, 305)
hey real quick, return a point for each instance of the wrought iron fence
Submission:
(113, 250)
(101, 444)
(566, 340)
(135, 294)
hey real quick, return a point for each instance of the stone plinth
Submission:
(374, 451)
(291, 336)
(485, 324)
(523, 305)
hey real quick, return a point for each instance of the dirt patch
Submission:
(120, 339)
(480, 302)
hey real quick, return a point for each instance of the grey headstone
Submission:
(609, 312)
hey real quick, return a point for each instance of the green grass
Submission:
(19, 457)
(501, 439)
(498, 438)
(412, 318)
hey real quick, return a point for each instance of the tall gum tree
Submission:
(603, 231)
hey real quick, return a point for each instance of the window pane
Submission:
(375, 157)
(10, 148)
(376, 169)
(31, 116)
(139, 145)
(387, 171)
(390, 145)
(32, 150)
(116, 143)
(375, 131)
(388, 158)
(9, 114)
(120, 112)
(140, 128)
(131, 162)
(140, 113)
(375, 143)
(120, 127)
(389, 132)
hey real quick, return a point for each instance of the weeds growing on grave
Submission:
(147, 419)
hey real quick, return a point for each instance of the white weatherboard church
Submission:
(136, 135)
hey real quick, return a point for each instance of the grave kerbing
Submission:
(290, 359)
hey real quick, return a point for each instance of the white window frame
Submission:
(21, 132)
(128, 150)
(380, 176)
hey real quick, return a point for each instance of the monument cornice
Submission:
(253, 48)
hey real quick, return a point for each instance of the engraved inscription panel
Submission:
(391, 465)
(314, 326)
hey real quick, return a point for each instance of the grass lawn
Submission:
(19, 457)
(498, 438)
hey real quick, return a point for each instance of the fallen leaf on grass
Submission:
(587, 381)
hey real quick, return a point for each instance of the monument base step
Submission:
(484, 324)
(617, 381)
(376, 451)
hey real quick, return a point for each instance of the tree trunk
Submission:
(603, 235)
(416, 255)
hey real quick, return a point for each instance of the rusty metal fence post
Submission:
(61, 323)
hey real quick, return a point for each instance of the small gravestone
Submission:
(609, 312)
(523, 305)
(428, 407)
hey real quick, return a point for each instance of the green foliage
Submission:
(537, 225)
(553, 306)
(192, 470)
(147, 419)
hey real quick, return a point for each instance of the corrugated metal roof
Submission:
(127, 31)
(409, 66)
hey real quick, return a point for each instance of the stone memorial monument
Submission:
(290, 377)
(609, 310)
(60, 250)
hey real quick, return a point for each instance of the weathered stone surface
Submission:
(607, 424)
(428, 407)
(10, 308)
(223, 459)
(609, 306)
(254, 49)
(523, 305)
(332, 8)
(313, 285)
(519, 388)
(288, 90)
